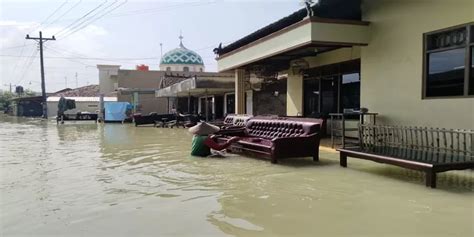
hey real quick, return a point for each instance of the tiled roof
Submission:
(332, 9)
(85, 91)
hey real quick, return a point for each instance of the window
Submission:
(332, 89)
(201, 70)
(350, 91)
(230, 103)
(168, 69)
(448, 63)
(186, 69)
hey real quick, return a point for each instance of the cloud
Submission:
(87, 42)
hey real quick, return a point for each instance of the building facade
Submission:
(409, 61)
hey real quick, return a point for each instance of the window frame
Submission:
(467, 60)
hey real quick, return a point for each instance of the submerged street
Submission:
(86, 179)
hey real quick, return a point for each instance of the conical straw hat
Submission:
(203, 129)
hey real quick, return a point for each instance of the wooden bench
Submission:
(430, 150)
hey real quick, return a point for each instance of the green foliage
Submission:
(5, 97)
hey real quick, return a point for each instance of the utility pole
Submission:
(41, 40)
(10, 88)
(65, 79)
(76, 81)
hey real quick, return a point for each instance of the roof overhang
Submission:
(128, 91)
(81, 99)
(308, 33)
(198, 86)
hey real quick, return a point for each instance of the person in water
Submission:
(203, 140)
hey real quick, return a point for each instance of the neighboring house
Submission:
(208, 94)
(409, 61)
(27, 106)
(139, 86)
(87, 100)
(83, 104)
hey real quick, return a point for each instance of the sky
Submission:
(118, 32)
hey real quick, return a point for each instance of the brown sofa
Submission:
(234, 124)
(277, 138)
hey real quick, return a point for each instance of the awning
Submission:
(308, 37)
(129, 91)
(198, 86)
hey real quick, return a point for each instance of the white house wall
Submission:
(392, 63)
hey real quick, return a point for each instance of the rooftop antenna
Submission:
(309, 4)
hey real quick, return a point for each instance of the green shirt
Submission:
(198, 147)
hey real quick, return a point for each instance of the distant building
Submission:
(27, 106)
(86, 98)
(139, 86)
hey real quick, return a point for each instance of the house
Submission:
(27, 106)
(86, 98)
(409, 61)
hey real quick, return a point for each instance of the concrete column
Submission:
(240, 91)
(294, 95)
(101, 107)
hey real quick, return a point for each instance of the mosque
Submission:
(180, 84)
(182, 59)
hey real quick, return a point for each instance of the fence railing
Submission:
(417, 138)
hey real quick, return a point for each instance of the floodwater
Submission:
(84, 179)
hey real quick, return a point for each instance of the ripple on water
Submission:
(82, 177)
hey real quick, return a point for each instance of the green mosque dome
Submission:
(181, 55)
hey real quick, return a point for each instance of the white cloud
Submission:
(87, 42)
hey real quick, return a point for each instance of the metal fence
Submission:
(439, 140)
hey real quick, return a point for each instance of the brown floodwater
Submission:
(84, 179)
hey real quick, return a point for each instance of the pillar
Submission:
(240, 91)
(101, 107)
(294, 94)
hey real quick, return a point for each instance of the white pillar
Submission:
(249, 102)
(240, 91)
(294, 95)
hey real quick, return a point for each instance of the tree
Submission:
(5, 97)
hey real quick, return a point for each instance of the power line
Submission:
(153, 10)
(70, 59)
(29, 62)
(97, 18)
(84, 58)
(66, 12)
(86, 21)
(79, 19)
(15, 47)
(50, 15)
(18, 61)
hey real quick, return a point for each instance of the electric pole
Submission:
(76, 81)
(41, 40)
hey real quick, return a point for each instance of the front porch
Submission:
(320, 59)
